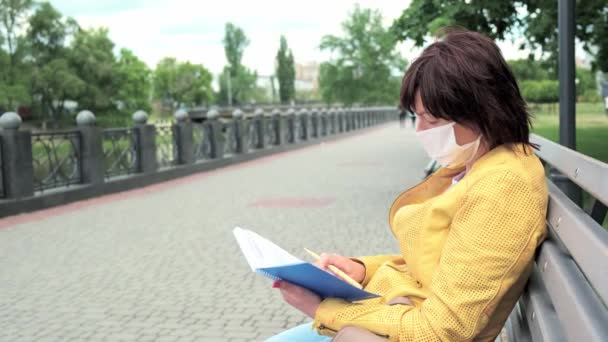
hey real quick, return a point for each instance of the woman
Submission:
(467, 234)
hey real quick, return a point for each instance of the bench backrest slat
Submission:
(567, 294)
(585, 239)
(540, 314)
(579, 309)
(516, 326)
(588, 173)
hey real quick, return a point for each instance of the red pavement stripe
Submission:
(14, 220)
(360, 164)
(293, 202)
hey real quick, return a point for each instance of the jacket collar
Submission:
(440, 180)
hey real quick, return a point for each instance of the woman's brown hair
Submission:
(463, 77)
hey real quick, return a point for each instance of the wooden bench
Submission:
(567, 294)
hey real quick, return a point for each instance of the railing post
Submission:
(17, 165)
(304, 124)
(183, 138)
(215, 130)
(291, 134)
(91, 149)
(146, 143)
(330, 120)
(260, 129)
(314, 122)
(239, 131)
(323, 119)
(277, 126)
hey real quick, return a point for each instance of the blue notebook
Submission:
(270, 260)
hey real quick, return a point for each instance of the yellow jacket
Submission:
(466, 253)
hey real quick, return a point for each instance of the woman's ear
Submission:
(465, 133)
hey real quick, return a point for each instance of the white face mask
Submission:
(440, 144)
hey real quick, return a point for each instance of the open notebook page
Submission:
(261, 252)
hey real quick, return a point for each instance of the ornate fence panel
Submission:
(120, 152)
(271, 131)
(56, 159)
(230, 139)
(201, 136)
(166, 146)
(252, 135)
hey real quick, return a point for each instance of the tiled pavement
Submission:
(161, 264)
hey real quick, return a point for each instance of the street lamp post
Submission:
(567, 92)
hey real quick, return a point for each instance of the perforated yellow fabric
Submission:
(466, 253)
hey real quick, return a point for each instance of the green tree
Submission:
(55, 83)
(13, 82)
(134, 82)
(91, 57)
(286, 72)
(237, 82)
(585, 82)
(543, 91)
(53, 80)
(423, 18)
(182, 84)
(497, 19)
(367, 68)
(529, 69)
(13, 14)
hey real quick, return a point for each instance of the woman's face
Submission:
(426, 120)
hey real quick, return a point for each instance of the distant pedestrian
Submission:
(402, 115)
(413, 118)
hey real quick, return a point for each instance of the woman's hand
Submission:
(299, 297)
(353, 269)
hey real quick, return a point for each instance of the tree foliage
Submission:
(53, 81)
(13, 85)
(237, 82)
(92, 58)
(497, 19)
(182, 84)
(133, 81)
(366, 68)
(285, 72)
(540, 91)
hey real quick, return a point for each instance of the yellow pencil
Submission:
(336, 270)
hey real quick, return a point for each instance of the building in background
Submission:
(307, 76)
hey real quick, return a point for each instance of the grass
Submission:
(591, 127)
(591, 132)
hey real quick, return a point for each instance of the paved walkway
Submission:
(161, 264)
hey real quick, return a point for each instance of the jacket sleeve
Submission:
(372, 263)
(491, 240)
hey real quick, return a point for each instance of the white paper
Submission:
(261, 252)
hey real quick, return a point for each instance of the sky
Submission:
(192, 30)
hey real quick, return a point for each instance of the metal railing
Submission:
(120, 152)
(56, 159)
(92, 156)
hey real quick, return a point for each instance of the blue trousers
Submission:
(301, 333)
